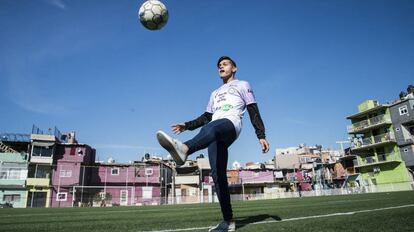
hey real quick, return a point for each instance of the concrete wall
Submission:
(402, 134)
(130, 174)
(389, 173)
(135, 196)
(78, 153)
(15, 186)
(366, 105)
(67, 174)
(259, 176)
(398, 120)
(19, 203)
(288, 161)
(407, 154)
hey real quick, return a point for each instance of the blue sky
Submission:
(90, 66)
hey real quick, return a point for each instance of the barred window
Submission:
(11, 198)
(403, 110)
(115, 171)
(61, 196)
(65, 173)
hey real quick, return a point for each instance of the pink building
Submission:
(250, 182)
(256, 176)
(140, 183)
(78, 181)
(72, 167)
(303, 183)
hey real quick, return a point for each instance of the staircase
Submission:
(5, 148)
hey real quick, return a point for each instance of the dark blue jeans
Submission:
(217, 135)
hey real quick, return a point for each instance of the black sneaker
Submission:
(224, 226)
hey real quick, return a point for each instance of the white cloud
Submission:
(125, 146)
(27, 92)
(28, 87)
(57, 3)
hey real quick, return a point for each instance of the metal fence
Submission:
(199, 198)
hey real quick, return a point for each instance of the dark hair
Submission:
(226, 58)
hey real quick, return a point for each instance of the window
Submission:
(11, 198)
(72, 151)
(115, 171)
(39, 171)
(61, 196)
(405, 149)
(183, 192)
(124, 197)
(192, 192)
(146, 192)
(42, 151)
(403, 110)
(12, 174)
(148, 171)
(65, 173)
(43, 171)
(3, 174)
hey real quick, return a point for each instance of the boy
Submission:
(222, 123)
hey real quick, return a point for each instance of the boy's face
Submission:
(226, 69)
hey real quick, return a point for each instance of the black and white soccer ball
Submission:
(153, 14)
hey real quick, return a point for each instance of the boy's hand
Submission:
(265, 145)
(178, 128)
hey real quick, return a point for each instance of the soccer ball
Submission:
(153, 14)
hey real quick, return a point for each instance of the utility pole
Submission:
(341, 143)
(83, 183)
(174, 173)
(200, 185)
(165, 183)
(241, 180)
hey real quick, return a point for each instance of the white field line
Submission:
(133, 209)
(295, 219)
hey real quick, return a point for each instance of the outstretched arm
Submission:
(193, 124)
(258, 125)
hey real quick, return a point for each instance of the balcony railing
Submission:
(371, 122)
(350, 170)
(38, 181)
(409, 140)
(42, 159)
(371, 160)
(369, 142)
(380, 158)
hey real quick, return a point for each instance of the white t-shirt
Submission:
(230, 101)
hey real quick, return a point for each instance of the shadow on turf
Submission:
(243, 221)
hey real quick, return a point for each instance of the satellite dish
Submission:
(236, 165)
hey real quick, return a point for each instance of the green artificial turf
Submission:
(265, 215)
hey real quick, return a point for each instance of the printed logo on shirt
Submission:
(226, 107)
(221, 97)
